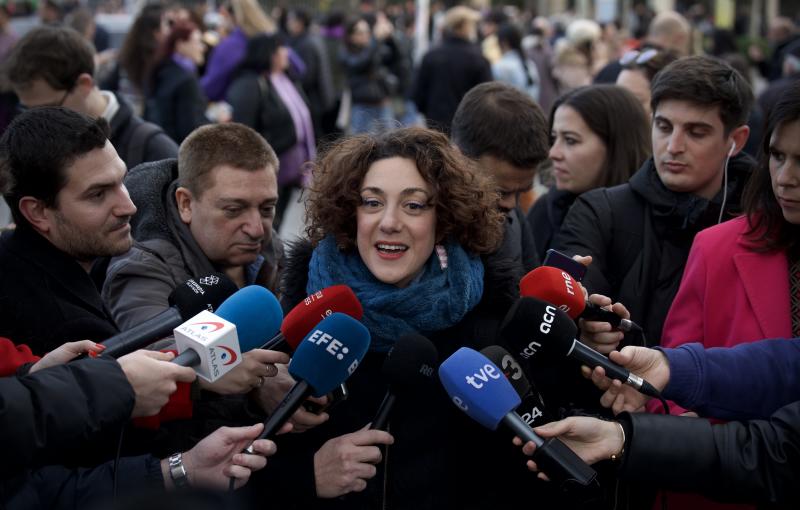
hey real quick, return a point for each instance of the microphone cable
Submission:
(116, 462)
(724, 188)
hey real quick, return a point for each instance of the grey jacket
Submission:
(138, 284)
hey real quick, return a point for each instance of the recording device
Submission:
(535, 328)
(336, 397)
(213, 343)
(532, 409)
(409, 369)
(307, 313)
(477, 387)
(326, 357)
(187, 300)
(557, 259)
(556, 286)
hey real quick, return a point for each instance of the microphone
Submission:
(532, 409)
(307, 313)
(553, 336)
(187, 300)
(326, 357)
(213, 343)
(408, 368)
(477, 387)
(561, 289)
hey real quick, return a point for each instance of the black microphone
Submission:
(536, 328)
(409, 368)
(532, 409)
(187, 300)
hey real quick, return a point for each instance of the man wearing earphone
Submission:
(639, 233)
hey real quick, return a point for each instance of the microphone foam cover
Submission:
(410, 364)
(554, 286)
(478, 387)
(511, 369)
(533, 326)
(303, 317)
(204, 293)
(330, 353)
(256, 313)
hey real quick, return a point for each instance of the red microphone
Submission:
(309, 312)
(557, 287)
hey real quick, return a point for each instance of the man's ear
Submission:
(739, 137)
(37, 214)
(85, 83)
(184, 199)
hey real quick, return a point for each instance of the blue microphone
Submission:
(254, 311)
(326, 357)
(479, 388)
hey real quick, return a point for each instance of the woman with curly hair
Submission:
(404, 220)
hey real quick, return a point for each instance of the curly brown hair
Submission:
(465, 200)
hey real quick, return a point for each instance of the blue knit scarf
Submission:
(434, 301)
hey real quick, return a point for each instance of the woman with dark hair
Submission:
(174, 99)
(600, 138)
(403, 219)
(266, 99)
(512, 67)
(742, 278)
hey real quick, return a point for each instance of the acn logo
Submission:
(206, 326)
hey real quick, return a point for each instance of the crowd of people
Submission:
(436, 174)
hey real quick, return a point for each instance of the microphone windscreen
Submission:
(256, 313)
(410, 364)
(554, 286)
(478, 387)
(303, 317)
(204, 293)
(511, 369)
(533, 328)
(330, 353)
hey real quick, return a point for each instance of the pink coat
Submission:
(729, 294)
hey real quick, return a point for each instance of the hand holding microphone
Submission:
(153, 379)
(650, 364)
(344, 464)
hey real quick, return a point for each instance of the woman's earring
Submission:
(442, 254)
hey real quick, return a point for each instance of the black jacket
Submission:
(756, 461)
(547, 215)
(639, 235)
(446, 74)
(137, 141)
(175, 101)
(440, 459)
(367, 71)
(46, 297)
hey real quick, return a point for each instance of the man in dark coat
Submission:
(448, 71)
(639, 233)
(54, 66)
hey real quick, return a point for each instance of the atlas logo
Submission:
(205, 327)
(209, 280)
(334, 348)
(547, 319)
(227, 356)
(484, 374)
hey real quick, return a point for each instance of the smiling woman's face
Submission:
(396, 229)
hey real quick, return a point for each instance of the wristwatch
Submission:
(177, 472)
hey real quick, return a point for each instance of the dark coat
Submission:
(257, 104)
(639, 235)
(446, 74)
(547, 215)
(46, 297)
(137, 141)
(367, 71)
(756, 461)
(175, 101)
(440, 459)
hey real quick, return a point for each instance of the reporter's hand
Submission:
(345, 463)
(650, 364)
(275, 388)
(591, 439)
(257, 365)
(217, 458)
(66, 352)
(601, 336)
(153, 379)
